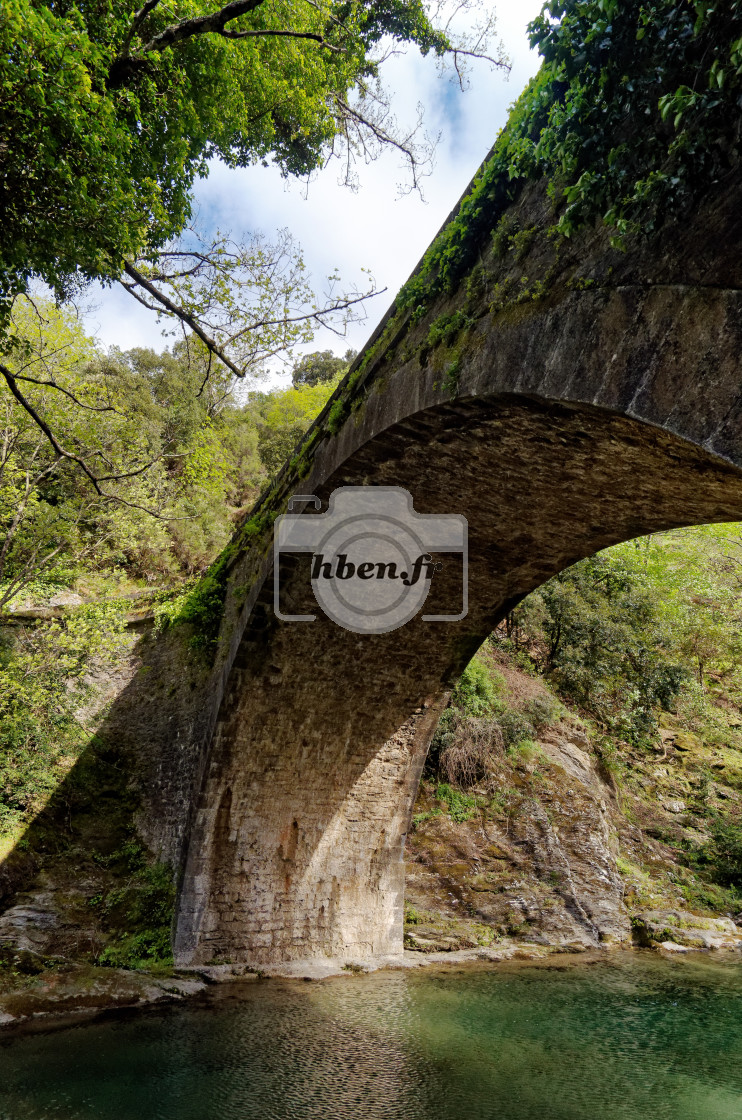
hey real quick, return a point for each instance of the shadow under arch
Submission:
(322, 733)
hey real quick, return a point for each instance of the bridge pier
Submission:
(298, 840)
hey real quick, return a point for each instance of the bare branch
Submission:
(458, 52)
(383, 136)
(246, 302)
(183, 315)
(318, 315)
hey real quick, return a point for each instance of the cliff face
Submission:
(548, 849)
(535, 861)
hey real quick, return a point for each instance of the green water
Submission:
(633, 1038)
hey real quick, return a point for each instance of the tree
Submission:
(173, 465)
(109, 114)
(247, 303)
(321, 365)
(284, 417)
(647, 624)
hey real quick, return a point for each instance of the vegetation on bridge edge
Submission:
(635, 111)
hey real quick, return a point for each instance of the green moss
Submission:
(503, 234)
(305, 459)
(476, 284)
(451, 380)
(203, 608)
(506, 294)
(257, 526)
(461, 806)
(337, 416)
(445, 328)
(523, 240)
(412, 917)
(581, 283)
(421, 818)
(501, 295)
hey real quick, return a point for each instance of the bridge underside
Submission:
(295, 847)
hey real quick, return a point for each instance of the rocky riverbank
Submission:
(553, 847)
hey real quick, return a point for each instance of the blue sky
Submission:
(374, 227)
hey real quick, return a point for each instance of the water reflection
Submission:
(629, 1039)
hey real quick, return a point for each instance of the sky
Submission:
(375, 227)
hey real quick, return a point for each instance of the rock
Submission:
(686, 741)
(183, 986)
(66, 599)
(573, 760)
(29, 925)
(672, 805)
(546, 874)
(679, 927)
(86, 989)
(576, 736)
(421, 944)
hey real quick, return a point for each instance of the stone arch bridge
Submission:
(562, 399)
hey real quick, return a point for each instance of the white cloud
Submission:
(371, 228)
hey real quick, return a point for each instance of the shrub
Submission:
(515, 727)
(139, 914)
(461, 807)
(476, 693)
(470, 750)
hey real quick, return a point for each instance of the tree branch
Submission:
(26, 404)
(64, 454)
(182, 314)
(125, 64)
(382, 136)
(139, 18)
(281, 34)
(317, 315)
(67, 393)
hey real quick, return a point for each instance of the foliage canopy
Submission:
(108, 114)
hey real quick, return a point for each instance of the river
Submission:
(629, 1037)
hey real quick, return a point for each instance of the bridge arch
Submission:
(296, 845)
